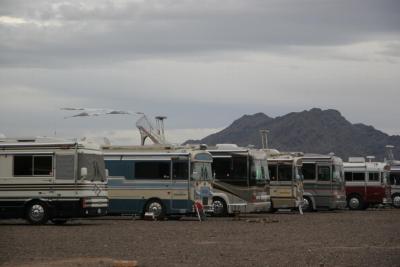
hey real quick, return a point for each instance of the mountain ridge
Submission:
(312, 131)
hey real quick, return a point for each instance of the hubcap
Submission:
(354, 203)
(37, 212)
(218, 207)
(155, 208)
(396, 201)
(306, 204)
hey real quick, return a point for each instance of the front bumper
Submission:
(286, 203)
(339, 204)
(91, 212)
(255, 207)
(386, 201)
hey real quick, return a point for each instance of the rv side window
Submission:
(231, 170)
(308, 170)
(272, 172)
(358, 176)
(394, 178)
(180, 170)
(33, 165)
(348, 176)
(324, 173)
(120, 168)
(152, 170)
(239, 167)
(285, 172)
(373, 176)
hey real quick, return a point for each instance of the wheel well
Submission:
(395, 195)
(220, 198)
(354, 195)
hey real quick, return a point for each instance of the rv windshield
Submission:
(95, 166)
(259, 172)
(201, 171)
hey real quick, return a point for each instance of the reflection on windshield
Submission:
(201, 171)
(337, 172)
(259, 174)
(299, 173)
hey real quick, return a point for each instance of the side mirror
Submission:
(107, 175)
(84, 173)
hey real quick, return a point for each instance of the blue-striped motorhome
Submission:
(162, 180)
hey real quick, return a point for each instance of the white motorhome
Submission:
(286, 184)
(45, 179)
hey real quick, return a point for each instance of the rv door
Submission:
(180, 185)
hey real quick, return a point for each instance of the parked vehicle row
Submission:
(45, 179)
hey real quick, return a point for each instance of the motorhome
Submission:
(241, 180)
(161, 180)
(394, 182)
(45, 179)
(394, 175)
(286, 185)
(324, 186)
(366, 183)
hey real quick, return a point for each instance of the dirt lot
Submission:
(316, 239)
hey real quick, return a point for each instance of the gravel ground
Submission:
(346, 238)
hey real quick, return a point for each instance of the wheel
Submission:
(157, 208)
(220, 207)
(59, 221)
(307, 204)
(396, 201)
(355, 203)
(37, 213)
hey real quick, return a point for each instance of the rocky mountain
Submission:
(314, 131)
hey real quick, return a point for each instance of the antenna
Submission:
(389, 153)
(160, 125)
(264, 138)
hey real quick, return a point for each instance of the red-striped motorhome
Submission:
(366, 183)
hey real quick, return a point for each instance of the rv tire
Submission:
(355, 202)
(156, 207)
(307, 204)
(37, 212)
(220, 207)
(396, 200)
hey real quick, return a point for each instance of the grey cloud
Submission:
(93, 33)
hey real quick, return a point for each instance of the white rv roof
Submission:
(377, 166)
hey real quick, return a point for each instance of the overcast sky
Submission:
(201, 63)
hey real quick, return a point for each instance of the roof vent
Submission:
(370, 158)
(227, 146)
(357, 159)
